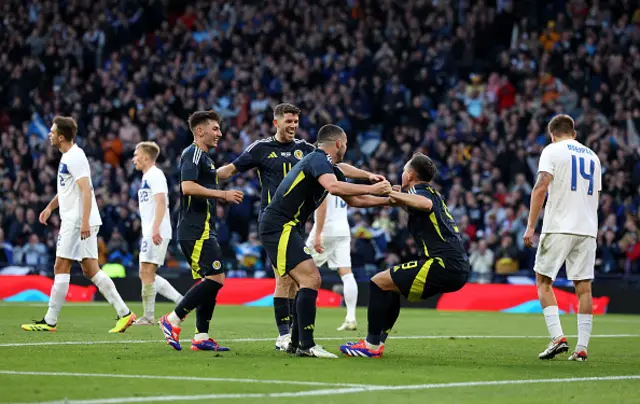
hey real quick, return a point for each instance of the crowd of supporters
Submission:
(470, 83)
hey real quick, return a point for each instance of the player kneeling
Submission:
(443, 268)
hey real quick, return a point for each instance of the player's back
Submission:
(572, 202)
(74, 166)
(336, 222)
(197, 213)
(300, 193)
(436, 232)
(153, 182)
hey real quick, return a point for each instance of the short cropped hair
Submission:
(285, 108)
(329, 133)
(562, 125)
(200, 117)
(66, 126)
(423, 166)
(151, 149)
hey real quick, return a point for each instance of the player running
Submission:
(443, 266)
(274, 157)
(570, 173)
(196, 233)
(80, 223)
(282, 225)
(330, 243)
(153, 200)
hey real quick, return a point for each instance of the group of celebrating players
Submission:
(298, 179)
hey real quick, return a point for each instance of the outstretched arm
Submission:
(359, 174)
(226, 172)
(192, 188)
(414, 201)
(342, 189)
(366, 201)
(538, 194)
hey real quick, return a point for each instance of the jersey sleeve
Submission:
(546, 162)
(249, 158)
(308, 147)
(319, 165)
(190, 166)
(79, 167)
(158, 183)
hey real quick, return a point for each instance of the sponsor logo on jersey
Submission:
(298, 154)
(285, 154)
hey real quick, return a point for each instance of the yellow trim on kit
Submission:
(420, 281)
(281, 264)
(197, 248)
(434, 221)
(259, 177)
(298, 179)
(268, 196)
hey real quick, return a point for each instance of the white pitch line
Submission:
(182, 378)
(346, 337)
(332, 392)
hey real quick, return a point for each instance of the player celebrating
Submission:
(196, 232)
(443, 268)
(282, 224)
(78, 237)
(330, 242)
(156, 230)
(274, 157)
(571, 173)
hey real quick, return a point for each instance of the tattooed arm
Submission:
(537, 199)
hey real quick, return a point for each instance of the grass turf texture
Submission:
(141, 352)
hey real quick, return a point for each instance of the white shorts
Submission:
(337, 252)
(579, 253)
(70, 246)
(151, 253)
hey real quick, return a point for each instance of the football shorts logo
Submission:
(306, 250)
(216, 265)
(298, 154)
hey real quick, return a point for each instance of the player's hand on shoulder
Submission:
(44, 216)
(233, 196)
(382, 188)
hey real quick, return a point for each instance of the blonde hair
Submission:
(151, 149)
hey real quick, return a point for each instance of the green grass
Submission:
(406, 361)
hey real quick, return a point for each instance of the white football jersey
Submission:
(74, 166)
(572, 202)
(153, 182)
(336, 223)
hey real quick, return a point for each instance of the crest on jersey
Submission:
(298, 154)
(306, 250)
(216, 264)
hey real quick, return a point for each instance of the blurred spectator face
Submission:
(31, 216)
(34, 239)
(482, 245)
(286, 126)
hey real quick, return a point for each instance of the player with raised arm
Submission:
(79, 225)
(274, 157)
(196, 233)
(442, 267)
(282, 225)
(153, 200)
(330, 243)
(571, 175)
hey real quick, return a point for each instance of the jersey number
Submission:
(61, 180)
(286, 167)
(144, 196)
(446, 212)
(340, 203)
(406, 265)
(587, 176)
(144, 246)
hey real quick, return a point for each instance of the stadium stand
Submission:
(470, 83)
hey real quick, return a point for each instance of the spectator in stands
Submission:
(34, 253)
(6, 250)
(481, 259)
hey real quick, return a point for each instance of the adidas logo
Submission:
(273, 155)
(310, 327)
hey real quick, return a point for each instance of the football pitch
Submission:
(431, 357)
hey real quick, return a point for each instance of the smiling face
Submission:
(287, 125)
(210, 133)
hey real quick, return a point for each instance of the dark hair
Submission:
(66, 126)
(329, 133)
(561, 125)
(200, 117)
(285, 108)
(423, 166)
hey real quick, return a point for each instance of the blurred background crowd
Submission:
(470, 83)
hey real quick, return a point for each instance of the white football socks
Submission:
(350, 291)
(173, 319)
(149, 300)
(552, 318)
(202, 336)
(108, 289)
(164, 288)
(585, 323)
(58, 296)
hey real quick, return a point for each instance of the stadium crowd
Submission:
(470, 83)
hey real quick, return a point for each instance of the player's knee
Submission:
(383, 280)
(583, 288)
(61, 266)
